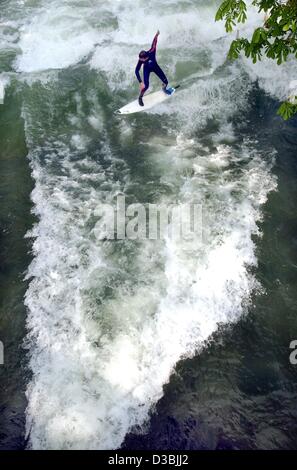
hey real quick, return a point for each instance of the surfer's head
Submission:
(143, 56)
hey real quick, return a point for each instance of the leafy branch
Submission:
(277, 38)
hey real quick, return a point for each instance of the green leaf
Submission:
(287, 110)
(256, 36)
(263, 34)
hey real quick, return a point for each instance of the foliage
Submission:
(276, 39)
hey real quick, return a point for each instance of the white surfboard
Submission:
(149, 100)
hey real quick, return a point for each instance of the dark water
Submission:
(15, 220)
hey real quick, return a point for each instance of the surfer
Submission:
(149, 62)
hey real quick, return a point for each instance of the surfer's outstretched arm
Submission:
(154, 43)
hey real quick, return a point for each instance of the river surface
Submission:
(143, 344)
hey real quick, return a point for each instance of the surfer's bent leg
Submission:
(159, 72)
(146, 81)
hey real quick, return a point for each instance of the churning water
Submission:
(108, 321)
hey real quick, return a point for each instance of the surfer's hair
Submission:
(143, 55)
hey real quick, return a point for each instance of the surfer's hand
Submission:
(141, 86)
(158, 32)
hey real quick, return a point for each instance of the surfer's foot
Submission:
(140, 101)
(166, 90)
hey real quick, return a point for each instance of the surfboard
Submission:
(149, 100)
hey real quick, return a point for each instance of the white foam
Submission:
(101, 366)
(2, 92)
(4, 83)
(57, 36)
(293, 92)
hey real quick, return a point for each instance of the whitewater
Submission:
(109, 320)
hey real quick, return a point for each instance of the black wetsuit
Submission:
(150, 65)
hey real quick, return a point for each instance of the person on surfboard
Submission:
(149, 62)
